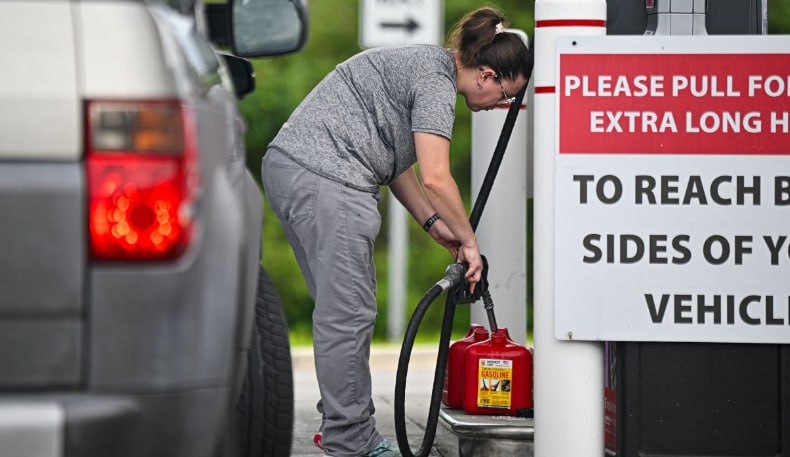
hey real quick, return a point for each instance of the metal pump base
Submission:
(464, 435)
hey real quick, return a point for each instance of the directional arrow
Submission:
(410, 25)
(399, 22)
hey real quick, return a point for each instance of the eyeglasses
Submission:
(506, 99)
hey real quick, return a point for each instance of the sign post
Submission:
(672, 189)
(568, 374)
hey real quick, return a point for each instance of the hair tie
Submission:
(499, 28)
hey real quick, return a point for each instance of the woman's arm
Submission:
(407, 190)
(441, 192)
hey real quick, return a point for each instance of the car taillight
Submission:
(142, 179)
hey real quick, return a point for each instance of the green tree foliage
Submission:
(284, 81)
(778, 17)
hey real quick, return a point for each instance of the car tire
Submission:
(265, 409)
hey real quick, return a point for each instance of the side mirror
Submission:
(242, 74)
(262, 28)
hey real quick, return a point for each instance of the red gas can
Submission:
(497, 376)
(453, 392)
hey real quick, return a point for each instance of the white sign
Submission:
(400, 22)
(672, 189)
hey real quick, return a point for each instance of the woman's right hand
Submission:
(470, 254)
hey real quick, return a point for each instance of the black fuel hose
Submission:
(452, 281)
(452, 278)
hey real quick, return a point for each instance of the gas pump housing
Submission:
(693, 399)
(722, 17)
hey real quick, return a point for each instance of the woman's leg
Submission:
(333, 229)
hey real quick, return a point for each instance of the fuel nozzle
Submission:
(462, 294)
(453, 275)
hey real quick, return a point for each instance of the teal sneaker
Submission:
(384, 449)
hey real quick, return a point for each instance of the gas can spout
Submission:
(488, 304)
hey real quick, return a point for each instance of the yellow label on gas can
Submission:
(494, 380)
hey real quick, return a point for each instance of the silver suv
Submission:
(130, 229)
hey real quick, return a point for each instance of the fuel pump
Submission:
(675, 398)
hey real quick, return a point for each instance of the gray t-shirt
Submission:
(357, 125)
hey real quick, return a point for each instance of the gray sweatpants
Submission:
(332, 228)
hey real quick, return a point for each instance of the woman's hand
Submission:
(462, 253)
(444, 237)
(470, 254)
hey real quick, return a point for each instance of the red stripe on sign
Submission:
(570, 23)
(507, 106)
(674, 103)
(545, 90)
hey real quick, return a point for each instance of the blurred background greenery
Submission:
(283, 82)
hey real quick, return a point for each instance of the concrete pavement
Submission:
(384, 365)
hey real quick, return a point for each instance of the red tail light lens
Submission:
(142, 179)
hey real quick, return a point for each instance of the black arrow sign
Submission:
(410, 25)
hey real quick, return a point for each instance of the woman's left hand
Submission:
(444, 237)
